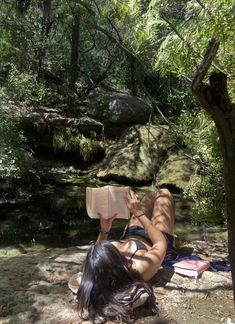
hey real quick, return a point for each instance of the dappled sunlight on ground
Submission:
(34, 289)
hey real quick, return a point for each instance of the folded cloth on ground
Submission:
(216, 265)
(139, 298)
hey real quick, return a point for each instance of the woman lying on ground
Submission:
(115, 271)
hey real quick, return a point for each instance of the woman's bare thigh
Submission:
(163, 214)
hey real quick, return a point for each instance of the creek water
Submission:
(54, 213)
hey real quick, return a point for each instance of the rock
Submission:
(177, 171)
(40, 127)
(137, 155)
(118, 108)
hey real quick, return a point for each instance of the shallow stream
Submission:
(54, 215)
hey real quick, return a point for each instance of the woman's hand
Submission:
(106, 224)
(133, 203)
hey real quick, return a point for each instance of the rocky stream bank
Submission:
(34, 288)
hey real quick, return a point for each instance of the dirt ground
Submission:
(34, 289)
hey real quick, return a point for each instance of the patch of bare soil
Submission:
(34, 289)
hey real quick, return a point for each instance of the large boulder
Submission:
(39, 127)
(177, 171)
(118, 108)
(137, 155)
(105, 115)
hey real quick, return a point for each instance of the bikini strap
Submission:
(137, 247)
(133, 254)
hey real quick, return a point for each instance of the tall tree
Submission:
(74, 51)
(215, 99)
(45, 30)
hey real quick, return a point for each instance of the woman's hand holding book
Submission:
(106, 224)
(134, 204)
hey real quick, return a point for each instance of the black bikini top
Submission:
(139, 246)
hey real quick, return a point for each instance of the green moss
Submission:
(70, 141)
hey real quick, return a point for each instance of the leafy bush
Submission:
(15, 160)
(22, 88)
(198, 131)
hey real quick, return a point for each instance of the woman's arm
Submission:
(135, 207)
(105, 227)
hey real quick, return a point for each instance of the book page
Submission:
(117, 203)
(107, 200)
(187, 272)
(97, 202)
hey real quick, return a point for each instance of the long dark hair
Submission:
(107, 279)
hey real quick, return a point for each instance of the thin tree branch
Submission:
(205, 63)
(96, 26)
(148, 95)
(116, 31)
(203, 7)
(201, 4)
(97, 7)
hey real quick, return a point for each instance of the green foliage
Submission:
(170, 90)
(121, 74)
(180, 97)
(70, 141)
(208, 194)
(23, 89)
(185, 35)
(169, 36)
(15, 160)
(180, 33)
(198, 131)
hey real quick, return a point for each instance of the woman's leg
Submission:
(163, 214)
(160, 209)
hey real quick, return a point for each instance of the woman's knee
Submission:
(164, 192)
(164, 198)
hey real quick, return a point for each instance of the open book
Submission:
(107, 200)
(191, 268)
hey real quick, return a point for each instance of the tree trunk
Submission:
(46, 27)
(229, 179)
(133, 80)
(22, 6)
(214, 98)
(74, 52)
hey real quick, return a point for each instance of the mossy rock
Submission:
(137, 155)
(177, 171)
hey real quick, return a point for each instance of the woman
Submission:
(115, 271)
